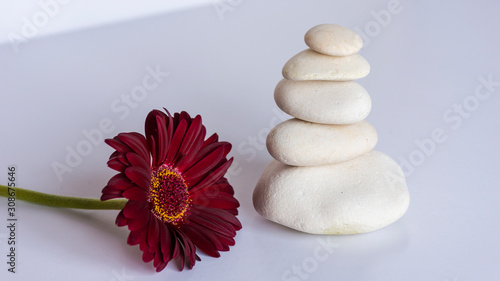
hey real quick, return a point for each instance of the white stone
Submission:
(311, 65)
(333, 40)
(360, 195)
(300, 143)
(324, 102)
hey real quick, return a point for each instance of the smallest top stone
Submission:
(333, 40)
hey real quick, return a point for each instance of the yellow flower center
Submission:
(168, 195)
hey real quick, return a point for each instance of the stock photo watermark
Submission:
(121, 108)
(11, 222)
(256, 143)
(453, 117)
(31, 26)
(121, 276)
(305, 269)
(222, 7)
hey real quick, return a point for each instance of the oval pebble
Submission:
(323, 102)
(356, 196)
(300, 143)
(311, 65)
(333, 40)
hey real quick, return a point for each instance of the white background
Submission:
(426, 61)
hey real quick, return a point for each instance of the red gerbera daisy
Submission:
(179, 199)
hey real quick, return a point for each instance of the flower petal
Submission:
(213, 176)
(199, 170)
(136, 142)
(116, 164)
(153, 233)
(201, 240)
(147, 256)
(162, 139)
(135, 193)
(212, 139)
(220, 200)
(137, 161)
(212, 225)
(195, 128)
(138, 223)
(139, 176)
(110, 193)
(134, 209)
(220, 214)
(136, 237)
(118, 144)
(121, 220)
(180, 131)
(120, 181)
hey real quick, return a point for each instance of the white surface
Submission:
(29, 19)
(427, 60)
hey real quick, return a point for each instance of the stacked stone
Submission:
(326, 178)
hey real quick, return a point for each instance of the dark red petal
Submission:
(191, 136)
(116, 164)
(187, 161)
(138, 223)
(189, 250)
(136, 142)
(161, 266)
(156, 125)
(114, 154)
(136, 193)
(201, 240)
(134, 209)
(199, 170)
(218, 213)
(212, 225)
(120, 181)
(110, 193)
(221, 222)
(162, 139)
(221, 200)
(180, 131)
(121, 220)
(221, 241)
(185, 116)
(223, 187)
(213, 176)
(147, 256)
(165, 242)
(138, 161)
(158, 259)
(136, 237)
(209, 149)
(117, 144)
(121, 157)
(153, 233)
(139, 176)
(144, 246)
(175, 243)
(212, 139)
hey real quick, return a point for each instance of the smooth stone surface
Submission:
(360, 195)
(333, 40)
(311, 65)
(300, 143)
(323, 101)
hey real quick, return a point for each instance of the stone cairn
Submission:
(325, 177)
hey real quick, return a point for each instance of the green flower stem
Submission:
(61, 201)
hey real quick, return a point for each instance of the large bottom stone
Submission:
(356, 196)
